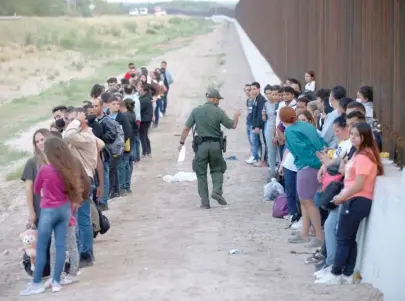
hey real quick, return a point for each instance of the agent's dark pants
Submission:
(164, 101)
(143, 135)
(352, 213)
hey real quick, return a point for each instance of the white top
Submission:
(343, 149)
(288, 162)
(282, 104)
(310, 86)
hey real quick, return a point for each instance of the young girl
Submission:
(310, 81)
(57, 182)
(356, 199)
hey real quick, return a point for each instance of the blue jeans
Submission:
(137, 149)
(259, 145)
(106, 192)
(123, 171)
(57, 220)
(85, 230)
(249, 135)
(353, 211)
(269, 129)
(290, 183)
(330, 229)
(158, 109)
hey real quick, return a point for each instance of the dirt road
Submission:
(161, 245)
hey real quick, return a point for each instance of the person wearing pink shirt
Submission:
(60, 183)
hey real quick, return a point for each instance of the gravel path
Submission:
(161, 245)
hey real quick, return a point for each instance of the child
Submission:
(60, 184)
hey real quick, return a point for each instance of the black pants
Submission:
(114, 187)
(143, 136)
(352, 213)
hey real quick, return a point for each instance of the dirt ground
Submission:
(161, 245)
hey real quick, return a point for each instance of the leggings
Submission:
(143, 135)
(71, 247)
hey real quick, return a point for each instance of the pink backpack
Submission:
(280, 208)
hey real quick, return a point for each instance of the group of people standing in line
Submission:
(325, 149)
(85, 159)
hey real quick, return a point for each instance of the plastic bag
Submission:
(272, 190)
(181, 176)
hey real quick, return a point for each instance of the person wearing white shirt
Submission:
(310, 81)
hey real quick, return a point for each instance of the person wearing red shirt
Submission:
(131, 71)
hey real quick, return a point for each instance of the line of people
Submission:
(324, 147)
(86, 159)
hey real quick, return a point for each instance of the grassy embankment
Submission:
(120, 39)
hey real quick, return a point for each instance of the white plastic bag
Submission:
(181, 176)
(182, 155)
(272, 190)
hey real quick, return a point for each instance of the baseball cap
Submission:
(213, 93)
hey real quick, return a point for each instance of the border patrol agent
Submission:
(208, 145)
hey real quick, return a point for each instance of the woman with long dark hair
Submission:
(356, 200)
(60, 183)
(30, 173)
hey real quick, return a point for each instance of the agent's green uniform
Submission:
(207, 120)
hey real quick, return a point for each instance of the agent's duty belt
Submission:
(210, 139)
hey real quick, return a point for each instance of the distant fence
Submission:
(349, 43)
(208, 13)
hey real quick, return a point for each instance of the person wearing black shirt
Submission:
(146, 118)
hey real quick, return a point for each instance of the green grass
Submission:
(16, 173)
(24, 112)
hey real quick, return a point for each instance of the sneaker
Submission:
(129, 191)
(297, 239)
(68, 279)
(297, 225)
(315, 258)
(219, 198)
(251, 160)
(103, 207)
(33, 289)
(84, 263)
(48, 283)
(123, 192)
(329, 278)
(114, 195)
(347, 279)
(260, 164)
(322, 272)
(314, 243)
(56, 287)
(205, 207)
(319, 266)
(287, 217)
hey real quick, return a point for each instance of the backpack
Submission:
(280, 208)
(103, 224)
(117, 147)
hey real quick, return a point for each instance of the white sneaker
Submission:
(33, 289)
(160, 114)
(56, 287)
(251, 160)
(287, 217)
(329, 278)
(68, 279)
(347, 279)
(297, 225)
(48, 283)
(322, 272)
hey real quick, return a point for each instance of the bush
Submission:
(131, 26)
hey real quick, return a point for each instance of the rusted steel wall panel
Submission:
(346, 42)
